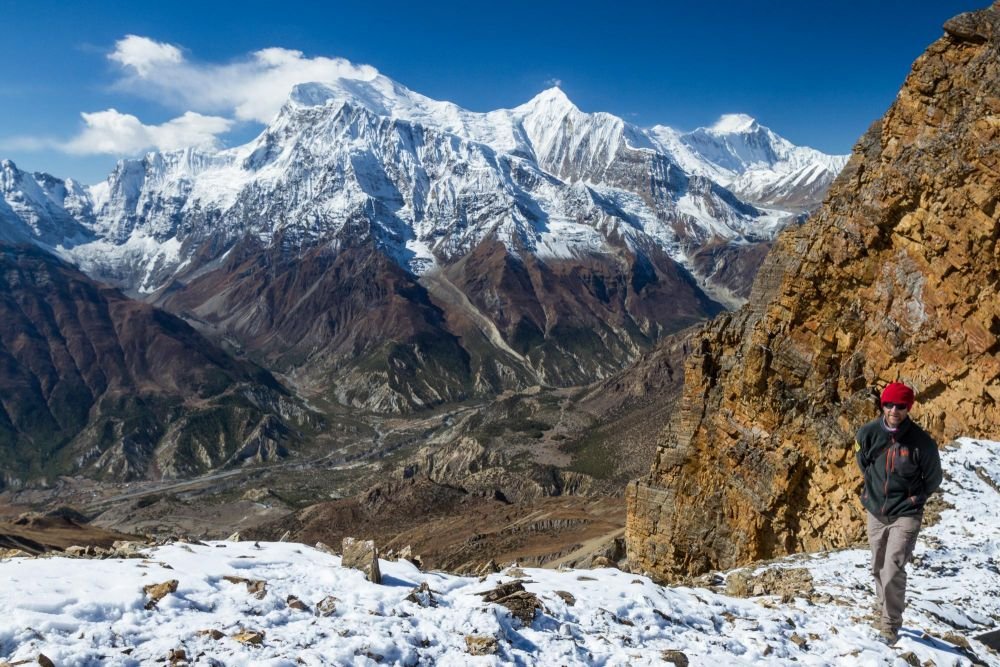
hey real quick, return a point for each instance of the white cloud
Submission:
(212, 96)
(250, 89)
(117, 133)
(144, 55)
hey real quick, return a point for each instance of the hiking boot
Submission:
(888, 636)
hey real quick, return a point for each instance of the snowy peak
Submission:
(10, 177)
(385, 98)
(572, 144)
(551, 100)
(738, 144)
(753, 161)
(549, 128)
(381, 96)
(546, 126)
(734, 123)
(41, 208)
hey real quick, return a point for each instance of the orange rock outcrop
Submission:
(895, 278)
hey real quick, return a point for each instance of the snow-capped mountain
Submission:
(752, 161)
(593, 227)
(39, 208)
(545, 176)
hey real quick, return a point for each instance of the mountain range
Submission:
(387, 252)
(434, 180)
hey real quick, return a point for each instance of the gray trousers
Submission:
(892, 541)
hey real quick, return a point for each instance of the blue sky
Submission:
(816, 73)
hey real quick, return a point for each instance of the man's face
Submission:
(894, 413)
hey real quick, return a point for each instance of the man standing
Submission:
(901, 467)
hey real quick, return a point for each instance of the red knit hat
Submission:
(897, 392)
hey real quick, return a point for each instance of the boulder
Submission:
(77, 551)
(481, 644)
(362, 555)
(327, 606)
(423, 596)
(567, 597)
(295, 603)
(157, 592)
(250, 637)
(326, 548)
(127, 549)
(675, 657)
(512, 595)
(256, 587)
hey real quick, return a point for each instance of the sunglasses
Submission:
(898, 406)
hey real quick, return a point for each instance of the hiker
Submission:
(901, 467)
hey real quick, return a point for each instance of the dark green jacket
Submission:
(901, 469)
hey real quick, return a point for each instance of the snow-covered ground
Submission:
(93, 612)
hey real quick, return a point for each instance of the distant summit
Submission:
(754, 162)
(550, 97)
(734, 123)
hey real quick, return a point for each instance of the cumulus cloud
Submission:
(212, 96)
(251, 89)
(117, 133)
(144, 55)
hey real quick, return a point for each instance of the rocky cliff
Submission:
(895, 278)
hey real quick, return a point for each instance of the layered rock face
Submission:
(896, 278)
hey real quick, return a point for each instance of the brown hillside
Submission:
(94, 382)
